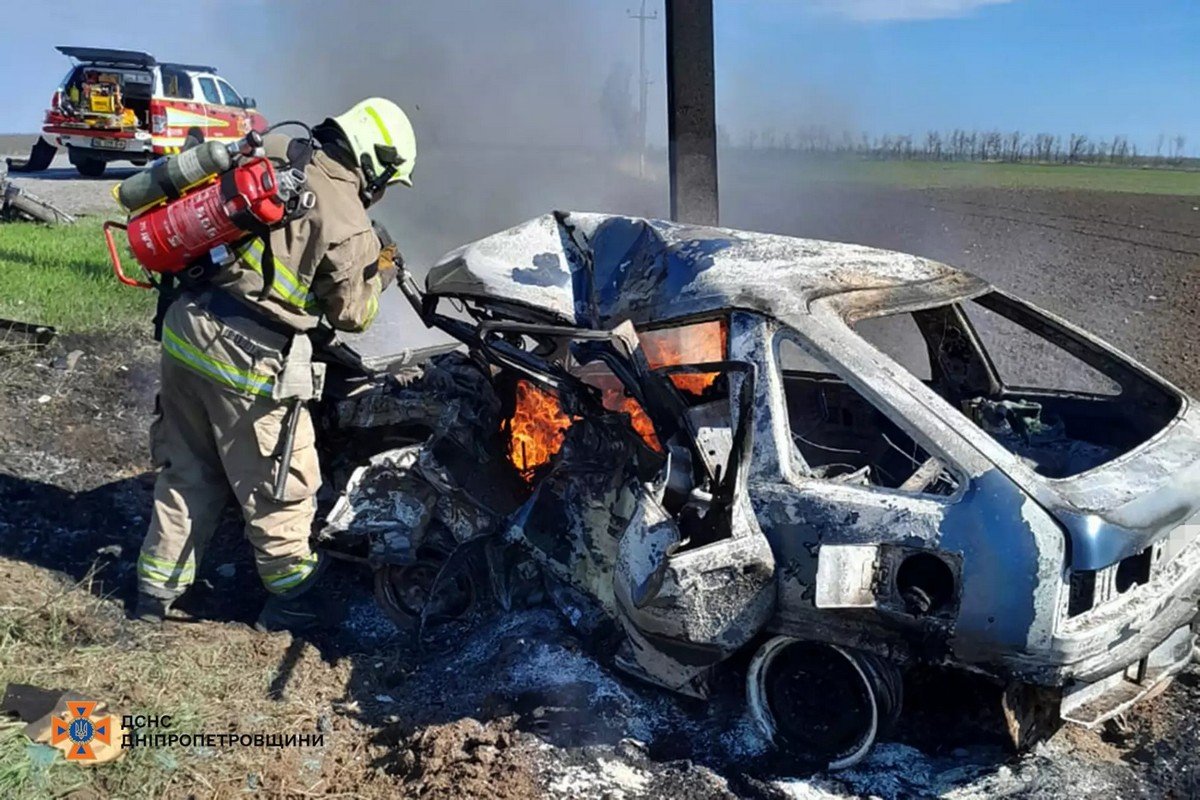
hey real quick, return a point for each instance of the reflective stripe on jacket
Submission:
(321, 258)
(287, 286)
(195, 359)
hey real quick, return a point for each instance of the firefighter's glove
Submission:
(390, 261)
(389, 257)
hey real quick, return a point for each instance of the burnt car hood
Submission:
(597, 270)
(1127, 505)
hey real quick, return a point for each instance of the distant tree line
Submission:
(964, 145)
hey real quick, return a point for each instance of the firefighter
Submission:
(237, 370)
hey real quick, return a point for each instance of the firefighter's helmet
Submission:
(382, 140)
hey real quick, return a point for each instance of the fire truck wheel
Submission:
(87, 166)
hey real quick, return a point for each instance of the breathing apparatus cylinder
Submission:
(175, 175)
(172, 236)
(206, 198)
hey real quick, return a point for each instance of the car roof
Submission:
(596, 270)
(125, 58)
(188, 67)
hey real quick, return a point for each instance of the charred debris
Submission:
(691, 440)
(18, 204)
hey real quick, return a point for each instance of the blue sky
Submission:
(1098, 67)
(525, 70)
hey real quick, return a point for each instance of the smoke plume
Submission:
(519, 107)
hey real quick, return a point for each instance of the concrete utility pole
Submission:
(643, 83)
(691, 111)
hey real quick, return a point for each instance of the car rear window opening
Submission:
(1058, 401)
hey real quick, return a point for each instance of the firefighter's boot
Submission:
(302, 609)
(151, 609)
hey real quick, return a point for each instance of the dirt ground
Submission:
(516, 705)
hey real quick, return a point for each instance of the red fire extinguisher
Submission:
(171, 237)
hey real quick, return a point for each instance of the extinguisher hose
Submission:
(307, 128)
(116, 259)
(304, 125)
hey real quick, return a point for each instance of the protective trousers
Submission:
(219, 428)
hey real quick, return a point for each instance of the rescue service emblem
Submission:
(81, 729)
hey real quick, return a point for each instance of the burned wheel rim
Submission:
(817, 699)
(403, 591)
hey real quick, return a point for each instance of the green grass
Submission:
(61, 276)
(942, 175)
(29, 770)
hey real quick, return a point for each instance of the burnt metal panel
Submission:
(596, 270)
(1004, 535)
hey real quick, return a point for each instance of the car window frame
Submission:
(912, 328)
(794, 472)
(1073, 344)
(183, 74)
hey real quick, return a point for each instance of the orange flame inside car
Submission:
(615, 399)
(536, 428)
(688, 344)
(539, 423)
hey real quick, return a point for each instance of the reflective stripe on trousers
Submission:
(287, 285)
(200, 362)
(291, 578)
(209, 442)
(166, 574)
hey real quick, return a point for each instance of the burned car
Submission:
(836, 462)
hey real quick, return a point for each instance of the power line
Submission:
(643, 82)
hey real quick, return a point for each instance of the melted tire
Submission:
(402, 591)
(822, 701)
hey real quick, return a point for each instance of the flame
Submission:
(687, 344)
(536, 428)
(615, 399)
(539, 423)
